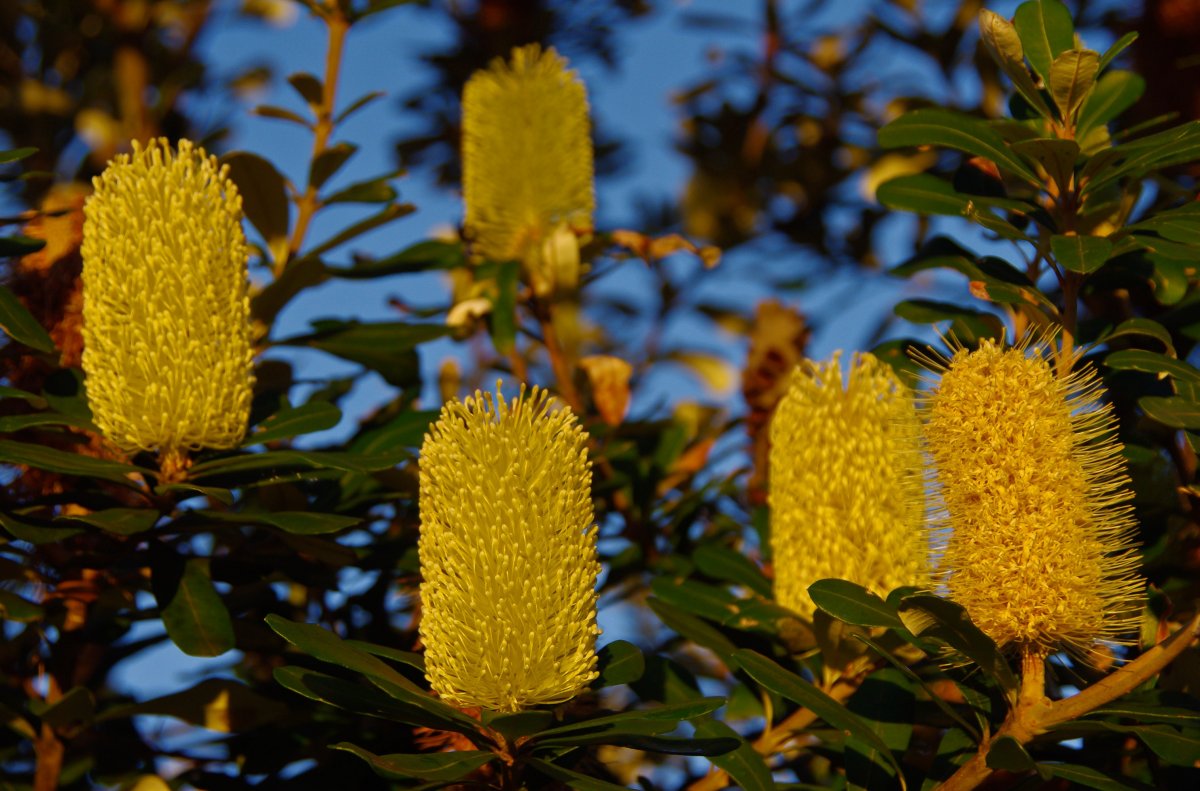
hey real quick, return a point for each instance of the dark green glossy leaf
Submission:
(14, 246)
(36, 401)
(1142, 328)
(932, 617)
(409, 658)
(730, 565)
(264, 194)
(1179, 747)
(16, 154)
(1119, 46)
(320, 643)
(75, 708)
(519, 724)
(281, 114)
(647, 722)
(217, 704)
(853, 603)
(426, 766)
(288, 459)
(1057, 158)
(67, 463)
(370, 191)
(939, 127)
(1115, 92)
(580, 782)
(18, 608)
(122, 521)
(887, 702)
(1046, 32)
(308, 86)
(744, 765)
(1000, 38)
(1181, 224)
(1082, 254)
(329, 162)
(303, 523)
(294, 421)
(195, 618)
(504, 307)
(1153, 363)
(35, 531)
(975, 324)
(1174, 411)
(359, 103)
(619, 662)
(1085, 776)
(223, 496)
(796, 689)
(1072, 76)
(11, 423)
(389, 213)
(385, 347)
(21, 326)
(421, 257)
(927, 194)
(691, 627)
(1007, 753)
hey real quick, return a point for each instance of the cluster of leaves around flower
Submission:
(248, 551)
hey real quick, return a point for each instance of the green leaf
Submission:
(420, 257)
(1000, 38)
(1082, 254)
(1072, 76)
(691, 627)
(1046, 31)
(34, 400)
(36, 531)
(976, 325)
(1116, 49)
(364, 700)
(303, 523)
(329, 162)
(384, 347)
(294, 421)
(281, 114)
(320, 643)
(1056, 156)
(1181, 748)
(519, 724)
(376, 190)
(619, 662)
(192, 490)
(11, 423)
(19, 245)
(17, 608)
(887, 702)
(274, 460)
(392, 211)
(216, 704)
(21, 326)
(75, 708)
(932, 617)
(1173, 146)
(646, 722)
(1115, 92)
(1007, 753)
(796, 689)
(927, 194)
(504, 307)
(428, 766)
(726, 563)
(358, 104)
(195, 618)
(853, 603)
(939, 127)
(1152, 363)
(744, 765)
(579, 782)
(1172, 411)
(409, 658)
(1141, 328)
(1181, 224)
(16, 154)
(264, 195)
(67, 463)
(1085, 776)
(122, 521)
(308, 86)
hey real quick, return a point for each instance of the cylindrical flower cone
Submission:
(846, 482)
(527, 165)
(166, 316)
(508, 554)
(1038, 542)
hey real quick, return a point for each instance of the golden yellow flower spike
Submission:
(846, 483)
(166, 325)
(508, 553)
(527, 165)
(1039, 548)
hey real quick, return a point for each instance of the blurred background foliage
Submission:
(779, 136)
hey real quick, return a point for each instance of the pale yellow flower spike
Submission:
(1035, 498)
(166, 325)
(846, 483)
(527, 165)
(508, 553)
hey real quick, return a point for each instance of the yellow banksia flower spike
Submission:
(508, 553)
(166, 316)
(1038, 542)
(527, 165)
(846, 482)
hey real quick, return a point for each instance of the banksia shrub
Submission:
(1031, 479)
(166, 325)
(508, 553)
(527, 165)
(846, 489)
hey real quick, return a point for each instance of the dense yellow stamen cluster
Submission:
(508, 553)
(846, 491)
(527, 165)
(166, 325)
(1035, 498)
